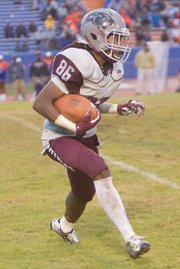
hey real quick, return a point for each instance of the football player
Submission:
(92, 67)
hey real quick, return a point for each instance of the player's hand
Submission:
(130, 107)
(86, 123)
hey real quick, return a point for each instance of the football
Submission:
(74, 107)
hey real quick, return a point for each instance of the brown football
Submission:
(74, 107)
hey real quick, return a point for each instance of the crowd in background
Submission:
(140, 16)
(60, 26)
(61, 21)
(146, 15)
(15, 70)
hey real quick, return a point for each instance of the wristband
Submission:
(65, 123)
(109, 108)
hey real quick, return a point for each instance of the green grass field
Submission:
(33, 190)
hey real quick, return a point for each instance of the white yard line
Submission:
(146, 174)
(28, 124)
(130, 168)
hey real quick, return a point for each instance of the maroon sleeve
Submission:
(68, 73)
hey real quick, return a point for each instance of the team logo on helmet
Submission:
(100, 18)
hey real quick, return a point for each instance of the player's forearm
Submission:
(108, 108)
(44, 102)
(45, 108)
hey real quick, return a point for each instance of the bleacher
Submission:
(16, 13)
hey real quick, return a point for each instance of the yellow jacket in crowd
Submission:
(50, 22)
(145, 58)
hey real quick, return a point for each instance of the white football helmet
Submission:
(98, 25)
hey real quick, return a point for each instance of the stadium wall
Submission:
(173, 62)
(130, 69)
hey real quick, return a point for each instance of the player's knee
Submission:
(103, 174)
(87, 195)
(98, 169)
(73, 200)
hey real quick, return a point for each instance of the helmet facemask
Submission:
(115, 46)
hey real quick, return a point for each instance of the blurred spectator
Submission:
(40, 5)
(45, 39)
(157, 5)
(62, 11)
(17, 76)
(145, 63)
(8, 30)
(147, 34)
(21, 30)
(127, 19)
(65, 36)
(18, 2)
(50, 22)
(32, 29)
(132, 14)
(40, 37)
(35, 4)
(72, 21)
(175, 30)
(51, 44)
(21, 45)
(169, 10)
(140, 35)
(39, 73)
(114, 4)
(145, 17)
(70, 4)
(137, 19)
(53, 7)
(44, 13)
(48, 59)
(74, 16)
(165, 36)
(138, 5)
(3, 72)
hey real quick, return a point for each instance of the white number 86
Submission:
(64, 70)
